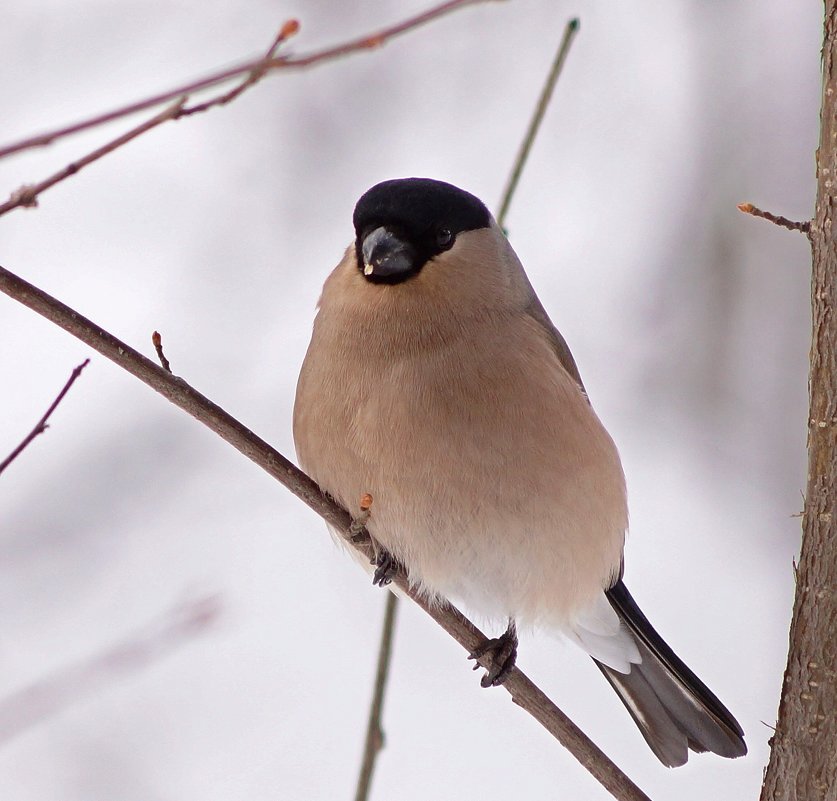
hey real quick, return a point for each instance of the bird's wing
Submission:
(537, 312)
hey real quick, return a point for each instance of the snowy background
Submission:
(689, 322)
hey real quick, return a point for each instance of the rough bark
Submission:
(803, 759)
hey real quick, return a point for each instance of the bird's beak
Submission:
(385, 254)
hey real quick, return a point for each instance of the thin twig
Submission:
(524, 693)
(374, 739)
(358, 525)
(33, 704)
(570, 31)
(783, 222)
(259, 65)
(157, 342)
(27, 196)
(288, 29)
(41, 425)
(374, 731)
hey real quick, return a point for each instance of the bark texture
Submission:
(803, 759)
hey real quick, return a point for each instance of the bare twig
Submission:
(374, 739)
(157, 341)
(255, 66)
(524, 693)
(37, 702)
(570, 31)
(358, 525)
(784, 222)
(288, 29)
(374, 731)
(41, 425)
(27, 196)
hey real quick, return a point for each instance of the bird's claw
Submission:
(385, 568)
(503, 651)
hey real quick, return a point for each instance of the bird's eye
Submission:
(444, 238)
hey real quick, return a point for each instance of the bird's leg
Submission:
(385, 565)
(503, 650)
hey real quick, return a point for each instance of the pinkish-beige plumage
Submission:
(387, 404)
(436, 382)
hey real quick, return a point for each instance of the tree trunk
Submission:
(803, 759)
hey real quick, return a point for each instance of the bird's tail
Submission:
(673, 708)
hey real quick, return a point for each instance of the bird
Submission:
(436, 382)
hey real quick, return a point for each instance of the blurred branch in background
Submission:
(374, 731)
(254, 69)
(523, 691)
(41, 425)
(570, 32)
(803, 754)
(44, 699)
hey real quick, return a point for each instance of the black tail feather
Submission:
(673, 708)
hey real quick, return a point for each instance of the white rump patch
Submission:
(601, 634)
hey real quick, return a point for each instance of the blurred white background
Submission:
(689, 322)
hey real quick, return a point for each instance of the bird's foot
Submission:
(503, 655)
(385, 567)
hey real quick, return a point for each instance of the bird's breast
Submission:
(492, 478)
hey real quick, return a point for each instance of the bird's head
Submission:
(403, 225)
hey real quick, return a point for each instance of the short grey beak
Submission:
(384, 254)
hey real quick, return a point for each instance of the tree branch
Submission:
(374, 731)
(257, 66)
(783, 222)
(27, 195)
(570, 31)
(41, 425)
(289, 28)
(803, 754)
(523, 691)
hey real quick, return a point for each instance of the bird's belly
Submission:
(473, 521)
(510, 499)
(501, 545)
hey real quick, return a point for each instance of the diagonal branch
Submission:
(523, 691)
(252, 67)
(27, 196)
(41, 425)
(288, 29)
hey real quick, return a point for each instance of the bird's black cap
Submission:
(419, 205)
(425, 214)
